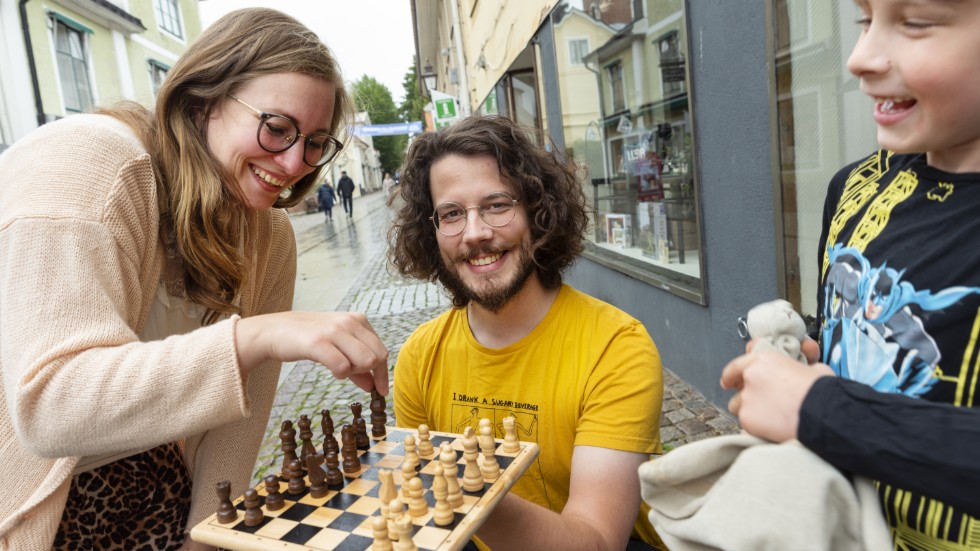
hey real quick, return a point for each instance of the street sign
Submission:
(392, 129)
(445, 109)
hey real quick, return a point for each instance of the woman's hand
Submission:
(344, 342)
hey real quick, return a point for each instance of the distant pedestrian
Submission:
(326, 196)
(346, 188)
(388, 185)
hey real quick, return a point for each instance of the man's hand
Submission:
(770, 391)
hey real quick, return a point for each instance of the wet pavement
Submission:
(342, 265)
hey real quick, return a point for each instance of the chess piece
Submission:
(379, 418)
(379, 528)
(386, 494)
(348, 449)
(408, 473)
(226, 510)
(296, 483)
(411, 456)
(472, 477)
(396, 510)
(417, 507)
(488, 445)
(253, 510)
(306, 437)
(447, 459)
(362, 441)
(273, 499)
(443, 514)
(511, 443)
(335, 478)
(404, 527)
(329, 440)
(287, 435)
(425, 448)
(318, 478)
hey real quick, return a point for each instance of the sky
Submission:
(369, 37)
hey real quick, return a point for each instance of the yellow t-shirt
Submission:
(588, 375)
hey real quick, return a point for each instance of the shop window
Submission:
(168, 17)
(627, 120)
(824, 123)
(71, 47)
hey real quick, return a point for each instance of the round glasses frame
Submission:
(496, 210)
(331, 146)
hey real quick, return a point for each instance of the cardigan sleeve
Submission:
(79, 262)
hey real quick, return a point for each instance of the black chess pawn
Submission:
(273, 499)
(306, 436)
(379, 418)
(361, 439)
(288, 436)
(296, 483)
(348, 449)
(335, 478)
(253, 509)
(226, 510)
(318, 486)
(329, 440)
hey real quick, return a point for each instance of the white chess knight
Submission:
(776, 326)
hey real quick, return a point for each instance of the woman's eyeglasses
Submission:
(278, 133)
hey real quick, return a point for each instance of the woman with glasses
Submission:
(146, 276)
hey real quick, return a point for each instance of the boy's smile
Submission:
(918, 60)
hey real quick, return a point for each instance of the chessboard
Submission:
(346, 518)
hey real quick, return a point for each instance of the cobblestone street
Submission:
(350, 255)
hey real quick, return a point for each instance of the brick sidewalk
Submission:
(395, 307)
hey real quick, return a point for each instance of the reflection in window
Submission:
(627, 119)
(70, 45)
(823, 125)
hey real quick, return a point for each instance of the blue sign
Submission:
(393, 129)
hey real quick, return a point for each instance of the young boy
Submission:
(899, 304)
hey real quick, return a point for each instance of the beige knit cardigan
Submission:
(80, 261)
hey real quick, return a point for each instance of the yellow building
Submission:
(68, 56)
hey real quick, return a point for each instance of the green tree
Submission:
(375, 98)
(412, 108)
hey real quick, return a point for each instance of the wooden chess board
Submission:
(341, 520)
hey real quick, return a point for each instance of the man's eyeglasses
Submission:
(278, 133)
(496, 209)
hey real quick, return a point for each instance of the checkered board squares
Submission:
(341, 520)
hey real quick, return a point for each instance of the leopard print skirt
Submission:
(137, 503)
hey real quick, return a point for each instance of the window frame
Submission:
(78, 65)
(167, 14)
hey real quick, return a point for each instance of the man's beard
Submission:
(495, 298)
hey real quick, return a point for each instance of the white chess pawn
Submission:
(488, 445)
(411, 456)
(379, 528)
(447, 459)
(408, 473)
(425, 447)
(417, 507)
(511, 443)
(396, 510)
(443, 514)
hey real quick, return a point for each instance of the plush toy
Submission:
(776, 326)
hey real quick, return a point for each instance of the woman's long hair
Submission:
(201, 204)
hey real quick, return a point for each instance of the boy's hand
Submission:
(770, 391)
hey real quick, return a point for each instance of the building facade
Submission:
(709, 131)
(61, 57)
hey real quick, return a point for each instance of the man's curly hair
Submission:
(547, 187)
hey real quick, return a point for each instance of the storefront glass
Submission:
(824, 123)
(624, 90)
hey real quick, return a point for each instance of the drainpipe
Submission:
(464, 82)
(25, 28)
